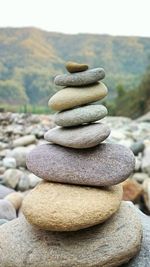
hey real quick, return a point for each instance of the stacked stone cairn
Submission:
(82, 177)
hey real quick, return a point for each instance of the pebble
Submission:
(16, 199)
(24, 183)
(137, 147)
(12, 177)
(75, 67)
(81, 78)
(63, 207)
(132, 191)
(70, 97)
(4, 191)
(19, 153)
(9, 162)
(80, 115)
(33, 180)
(140, 177)
(7, 210)
(109, 244)
(103, 165)
(78, 137)
(24, 141)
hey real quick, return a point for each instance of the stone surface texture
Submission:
(142, 259)
(58, 207)
(81, 78)
(80, 115)
(106, 245)
(78, 137)
(72, 97)
(103, 165)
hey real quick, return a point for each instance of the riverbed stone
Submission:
(142, 259)
(75, 67)
(109, 244)
(102, 165)
(62, 207)
(16, 199)
(4, 191)
(80, 115)
(70, 97)
(78, 137)
(81, 78)
(24, 141)
(7, 210)
(9, 162)
(12, 177)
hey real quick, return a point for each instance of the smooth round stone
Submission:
(81, 78)
(70, 207)
(102, 165)
(75, 67)
(80, 115)
(78, 137)
(109, 244)
(7, 210)
(70, 97)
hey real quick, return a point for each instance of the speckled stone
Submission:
(80, 115)
(142, 259)
(75, 67)
(109, 244)
(80, 78)
(102, 165)
(62, 207)
(72, 97)
(78, 137)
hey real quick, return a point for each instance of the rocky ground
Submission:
(20, 133)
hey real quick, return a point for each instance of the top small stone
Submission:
(75, 67)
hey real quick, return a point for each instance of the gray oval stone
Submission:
(80, 78)
(109, 244)
(102, 165)
(78, 137)
(80, 115)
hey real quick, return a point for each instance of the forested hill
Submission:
(30, 58)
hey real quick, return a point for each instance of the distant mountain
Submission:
(30, 58)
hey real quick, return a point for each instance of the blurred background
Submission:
(36, 39)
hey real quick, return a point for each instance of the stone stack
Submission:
(81, 183)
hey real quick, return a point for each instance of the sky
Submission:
(115, 17)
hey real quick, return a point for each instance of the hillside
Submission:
(30, 58)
